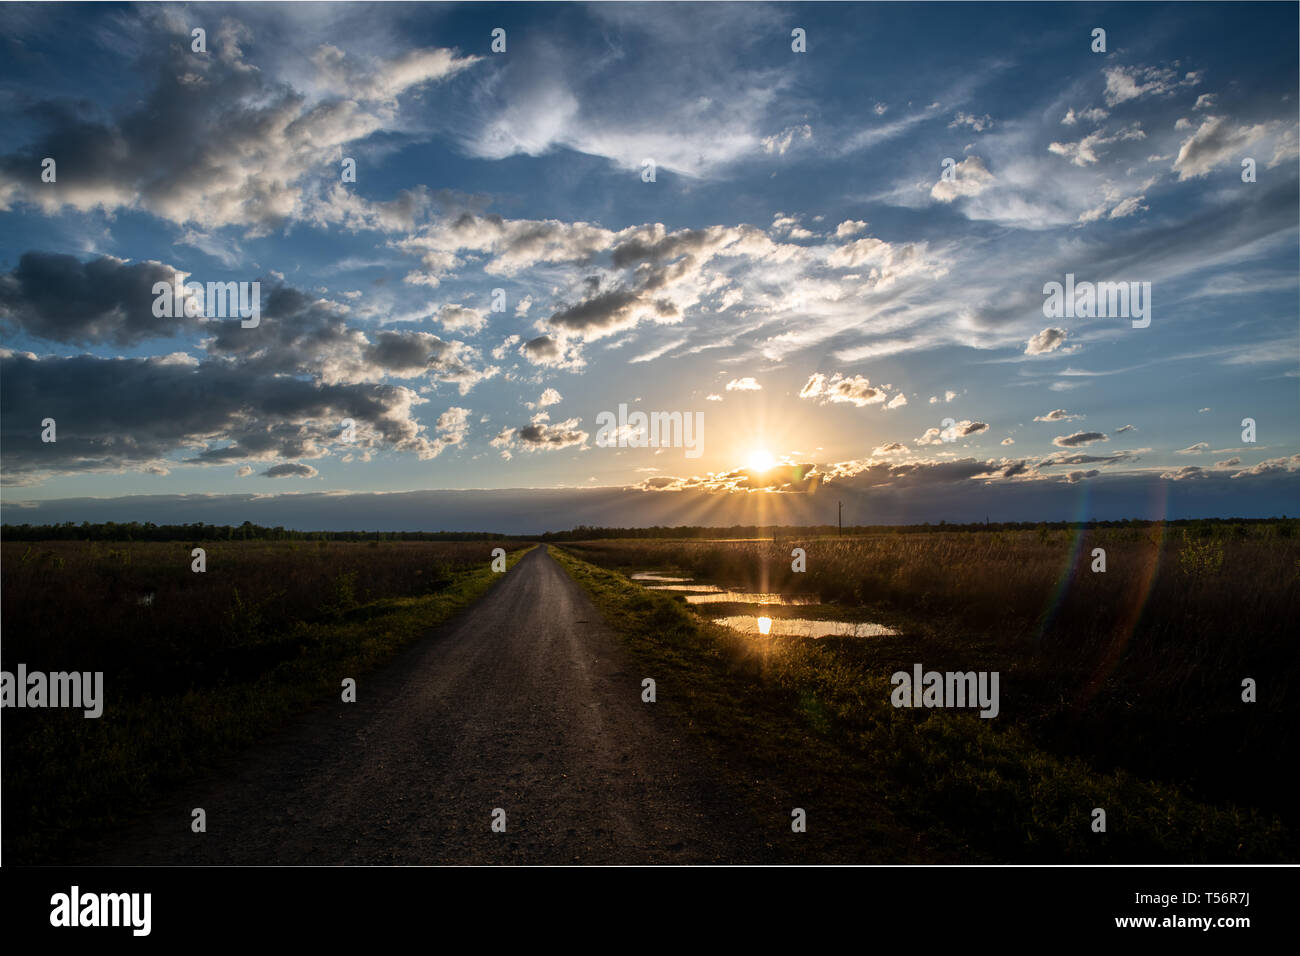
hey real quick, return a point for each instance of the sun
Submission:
(759, 459)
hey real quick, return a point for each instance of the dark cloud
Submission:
(524, 511)
(543, 435)
(1057, 458)
(106, 300)
(216, 141)
(606, 310)
(1077, 439)
(290, 471)
(120, 413)
(541, 349)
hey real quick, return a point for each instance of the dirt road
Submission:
(525, 702)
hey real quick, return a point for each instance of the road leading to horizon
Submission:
(525, 702)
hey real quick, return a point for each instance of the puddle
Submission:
(712, 594)
(700, 588)
(747, 597)
(802, 627)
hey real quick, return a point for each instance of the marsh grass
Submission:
(217, 661)
(1117, 686)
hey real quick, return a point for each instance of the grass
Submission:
(214, 663)
(811, 720)
(1138, 668)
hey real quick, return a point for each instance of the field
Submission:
(1119, 690)
(195, 665)
(1127, 682)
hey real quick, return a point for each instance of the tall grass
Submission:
(1140, 666)
(889, 785)
(195, 665)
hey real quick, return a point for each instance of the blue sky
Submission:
(848, 322)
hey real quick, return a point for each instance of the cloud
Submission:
(1271, 466)
(1077, 439)
(1196, 449)
(1056, 415)
(105, 300)
(1124, 83)
(606, 93)
(548, 397)
(746, 384)
(978, 123)
(458, 318)
(1216, 141)
(1087, 150)
(855, 390)
(302, 335)
(970, 178)
(213, 413)
(1125, 428)
(954, 432)
(290, 471)
(1186, 473)
(542, 436)
(452, 428)
(552, 352)
(1093, 114)
(240, 148)
(778, 143)
(1115, 458)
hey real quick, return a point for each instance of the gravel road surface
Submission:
(524, 702)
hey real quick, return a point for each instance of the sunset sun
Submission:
(759, 459)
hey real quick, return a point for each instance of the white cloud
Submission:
(780, 142)
(971, 177)
(1048, 340)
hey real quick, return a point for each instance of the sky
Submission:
(823, 233)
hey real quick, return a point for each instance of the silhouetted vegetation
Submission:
(1202, 527)
(195, 664)
(1139, 668)
(148, 531)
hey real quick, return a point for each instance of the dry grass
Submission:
(1139, 667)
(212, 663)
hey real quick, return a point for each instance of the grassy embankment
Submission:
(197, 666)
(1146, 652)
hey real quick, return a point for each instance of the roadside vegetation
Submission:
(196, 666)
(1120, 690)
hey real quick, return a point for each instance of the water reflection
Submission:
(747, 597)
(702, 588)
(803, 627)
